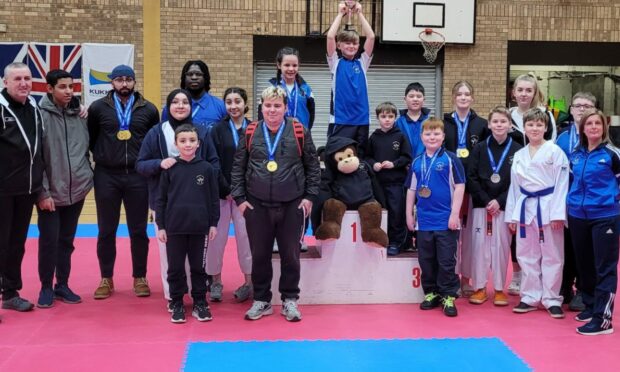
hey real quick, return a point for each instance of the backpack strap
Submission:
(298, 130)
(249, 134)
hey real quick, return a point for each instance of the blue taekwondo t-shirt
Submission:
(445, 172)
(349, 104)
(206, 111)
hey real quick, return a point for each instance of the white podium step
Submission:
(349, 271)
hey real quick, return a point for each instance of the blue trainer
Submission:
(46, 298)
(66, 295)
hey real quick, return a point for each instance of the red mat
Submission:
(127, 333)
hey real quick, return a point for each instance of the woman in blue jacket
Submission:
(594, 221)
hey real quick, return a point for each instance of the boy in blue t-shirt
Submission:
(349, 108)
(438, 185)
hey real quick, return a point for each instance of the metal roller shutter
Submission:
(385, 83)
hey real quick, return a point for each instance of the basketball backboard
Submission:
(403, 20)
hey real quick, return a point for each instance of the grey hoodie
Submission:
(68, 176)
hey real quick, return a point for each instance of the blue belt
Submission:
(537, 195)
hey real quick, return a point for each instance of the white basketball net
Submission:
(432, 41)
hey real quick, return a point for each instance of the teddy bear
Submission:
(350, 184)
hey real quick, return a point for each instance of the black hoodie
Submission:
(188, 200)
(353, 189)
(392, 146)
(477, 131)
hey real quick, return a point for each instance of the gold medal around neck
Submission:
(123, 135)
(462, 153)
(424, 192)
(272, 166)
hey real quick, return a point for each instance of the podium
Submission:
(349, 271)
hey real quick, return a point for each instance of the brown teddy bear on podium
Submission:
(350, 185)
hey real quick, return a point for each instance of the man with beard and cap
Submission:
(206, 109)
(21, 175)
(117, 124)
(158, 152)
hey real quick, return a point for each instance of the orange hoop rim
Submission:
(430, 31)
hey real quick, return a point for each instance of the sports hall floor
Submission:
(125, 333)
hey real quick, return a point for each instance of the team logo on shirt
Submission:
(8, 119)
(474, 140)
(356, 69)
(576, 158)
(510, 159)
(439, 166)
(395, 145)
(200, 180)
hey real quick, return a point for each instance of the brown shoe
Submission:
(479, 297)
(105, 289)
(500, 299)
(141, 287)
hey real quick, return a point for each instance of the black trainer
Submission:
(431, 301)
(584, 316)
(594, 329)
(556, 312)
(178, 313)
(201, 311)
(449, 308)
(522, 308)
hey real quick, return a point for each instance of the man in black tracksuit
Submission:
(275, 199)
(21, 177)
(117, 125)
(389, 154)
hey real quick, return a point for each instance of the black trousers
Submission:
(192, 247)
(570, 275)
(437, 257)
(397, 226)
(284, 223)
(359, 133)
(596, 252)
(112, 189)
(15, 214)
(56, 233)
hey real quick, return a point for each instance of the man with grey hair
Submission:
(21, 174)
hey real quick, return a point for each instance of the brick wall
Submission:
(220, 32)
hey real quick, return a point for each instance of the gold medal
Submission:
(123, 135)
(424, 192)
(272, 166)
(462, 153)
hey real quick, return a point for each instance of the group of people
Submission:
(473, 191)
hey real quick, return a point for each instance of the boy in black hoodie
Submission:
(389, 154)
(187, 210)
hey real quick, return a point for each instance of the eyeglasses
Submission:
(584, 107)
(124, 80)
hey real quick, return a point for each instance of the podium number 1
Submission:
(354, 229)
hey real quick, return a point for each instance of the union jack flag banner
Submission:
(44, 57)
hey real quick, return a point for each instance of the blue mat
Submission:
(463, 354)
(86, 230)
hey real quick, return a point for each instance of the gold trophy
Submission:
(351, 4)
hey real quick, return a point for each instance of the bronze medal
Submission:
(424, 192)
(123, 135)
(272, 166)
(462, 153)
(495, 178)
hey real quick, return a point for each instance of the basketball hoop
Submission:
(432, 41)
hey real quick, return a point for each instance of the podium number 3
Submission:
(354, 230)
(416, 277)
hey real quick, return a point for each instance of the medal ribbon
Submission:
(123, 116)
(233, 129)
(573, 138)
(426, 174)
(497, 167)
(461, 126)
(195, 110)
(291, 99)
(271, 148)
